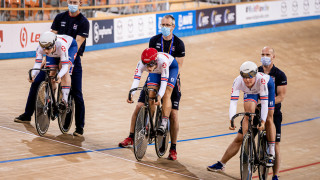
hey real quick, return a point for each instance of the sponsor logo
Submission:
(317, 4)
(228, 16)
(75, 26)
(101, 32)
(140, 24)
(283, 7)
(23, 37)
(63, 48)
(63, 24)
(150, 23)
(263, 81)
(1, 36)
(294, 6)
(185, 20)
(136, 71)
(34, 37)
(130, 25)
(164, 65)
(172, 79)
(305, 5)
(257, 8)
(203, 20)
(215, 18)
(119, 27)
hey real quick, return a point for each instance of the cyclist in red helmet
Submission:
(163, 70)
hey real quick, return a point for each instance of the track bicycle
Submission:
(47, 105)
(145, 130)
(251, 157)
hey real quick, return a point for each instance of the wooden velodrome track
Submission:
(211, 64)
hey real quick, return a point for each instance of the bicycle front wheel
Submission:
(246, 158)
(141, 135)
(43, 108)
(161, 141)
(65, 117)
(262, 154)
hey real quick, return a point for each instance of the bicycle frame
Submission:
(146, 103)
(48, 79)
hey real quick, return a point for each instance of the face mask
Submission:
(73, 8)
(165, 31)
(266, 61)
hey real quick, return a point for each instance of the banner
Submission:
(21, 37)
(135, 27)
(215, 17)
(276, 10)
(103, 31)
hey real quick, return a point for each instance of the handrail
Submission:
(94, 7)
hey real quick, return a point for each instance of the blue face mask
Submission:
(165, 31)
(73, 8)
(266, 61)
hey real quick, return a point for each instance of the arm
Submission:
(37, 63)
(264, 94)
(137, 77)
(180, 62)
(234, 99)
(80, 40)
(164, 79)
(281, 91)
(64, 60)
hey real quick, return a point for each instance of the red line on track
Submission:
(294, 168)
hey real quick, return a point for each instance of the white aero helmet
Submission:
(47, 40)
(248, 69)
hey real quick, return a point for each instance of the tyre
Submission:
(161, 141)
(43, 108)
(141, 135)
(262, 154)
(246, 158)
(65, 118)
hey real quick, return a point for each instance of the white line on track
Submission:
(155, 167)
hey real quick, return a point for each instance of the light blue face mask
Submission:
(266, 61)
(165, 31)
(73, 8)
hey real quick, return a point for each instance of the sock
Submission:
(131, 135)
(271, 147)
(165, 118)
(173, 146)
(65, 93)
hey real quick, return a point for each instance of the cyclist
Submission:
(254, 85)
(163, 70)
(60, 51)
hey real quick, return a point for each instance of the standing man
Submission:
(169, 43)
(74, 24)
(280, 80)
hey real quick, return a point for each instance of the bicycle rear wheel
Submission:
(262, 154)
(161, 142)
(246, 158)
(65, 117)
(43, 108)
(141, 133)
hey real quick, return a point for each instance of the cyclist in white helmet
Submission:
(255, 86)
(60, 51)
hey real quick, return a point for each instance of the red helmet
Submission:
(149, 56)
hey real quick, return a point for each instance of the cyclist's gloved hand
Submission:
(58, 80)
(31, 80)
(232, 128)
(159, 100)
(261, 127)
(130, 101)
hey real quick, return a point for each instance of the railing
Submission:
(48, 13)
